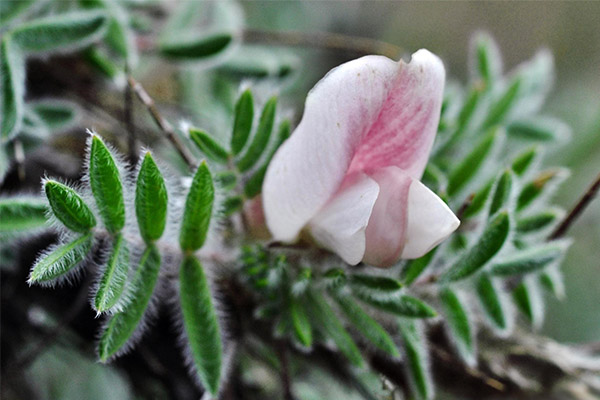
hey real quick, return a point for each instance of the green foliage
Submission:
(55, 114)
(479, 200)
(200, 323)
(111, 287)
(528, 300)
(490, 297)
(150, 200)
(530, 260)
(13, 88)
(523, 161)
(416, 359)
(536, 222)
(18, 215)
(209, 146)
(415, 268)
(10, 10)
(242, 123)
(198, 210)
(502, 106)
(373, 282)
(69, 207)
(66, 31)
(490, 242)
(543, 182)
(301, 323)
(123, 324)
(459, 324)
(404, 306)
(261, 136)
(59, 260)
(105, 182)
(539, 129)
(487, 57)
(502, 192)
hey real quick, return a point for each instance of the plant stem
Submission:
(129, 125)
(323, 40)
(284, 372)
(162, 123)
(579, 207)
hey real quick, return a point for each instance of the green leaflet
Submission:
(106, 186)
(464, 117)
(534, 189)
(404, 306)
(366, 325)
(502, 192)
(552, 280)
(232, 205)
(325, 318)
(541, 129)
(260, 61)
(416, 359)
(261, 137)
(197, 49)
(59, 260)
(254, 184)
(537, 222)
(374, 283)
(226, 180)
(459, 324)
(197, 211)
(529, 260)
(114, 278)
(528, 300)
(491, 302)
(209, 146)
(523, 161)
(500, 109)
(21, 215)
(479, 200)
(200, 323)
(301, 323)
(67, 31)
(414, 268)
(69, 207)
(488, 63)
(471, 164)
(13, 88)
(10, 10)
(490, 242)
(150, 200)
(123, 324)
(242, 124)
(55, 114)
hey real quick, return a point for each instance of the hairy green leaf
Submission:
(209, 146)
(55, 114)
(197, 49)
(198, 210)
(122, 325)
(112, 284)
(366, 325)
(471, 164)
(479, 199)
(106, 185)
(502, 192)
(541, 129)
(374, 282)
(404, 306)
(552, 280)
(242, 124)
(10, 10)
(226, 180)
(541, 183)
(415, 352)
(59, 260)
(537, 222)
(459, 324)
(523, 161)
(69, 207)
(487, 56)
(13, 88)
(301, 323)
(528, 299)
(200, 323)
(21, 214)
(60, 32)
(490, 242)
(150, 200)
(500, 109)
(260, 61)
(490, 297)
(327, 321)
(414, 268)
(529, 260)
(261, 136)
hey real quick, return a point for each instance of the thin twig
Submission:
(284, 372)
(129, 125)
(323, 40)
(583, 202)
(162, 123)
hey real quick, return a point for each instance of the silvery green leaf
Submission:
(541, 184)
(502, 106)
(529, 301)
(151, 200)
(261, 136)
(301, 322)
(69, 207)
(198, 210)
(208, 146)
(539, 129)
(502, 193)
(414, 268)
(417, 363)
(401, 305)
(530, 260)
(260, 62)
(200, 323)
(492, 302)
(486, 58)
(21, 214)
(539, 221)
(479, 200)
(13, 88)
(111, 288)
(242, 124)
(523, 161)
(59, 260)
(459, 324)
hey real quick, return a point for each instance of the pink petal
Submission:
(340, 225)
(386, 230)
(430, 221)
(310, 166)
(404, 131)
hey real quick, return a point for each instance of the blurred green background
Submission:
(571, 30)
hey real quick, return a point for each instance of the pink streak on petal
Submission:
(386, 230)
(404, 131)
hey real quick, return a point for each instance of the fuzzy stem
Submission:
(162, 123)
(579, 207)
(322, 40)
(129, 125)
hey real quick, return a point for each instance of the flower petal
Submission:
(404, 130)
(386, 230)
(430, 221)
(340, 225)
(310, 166)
